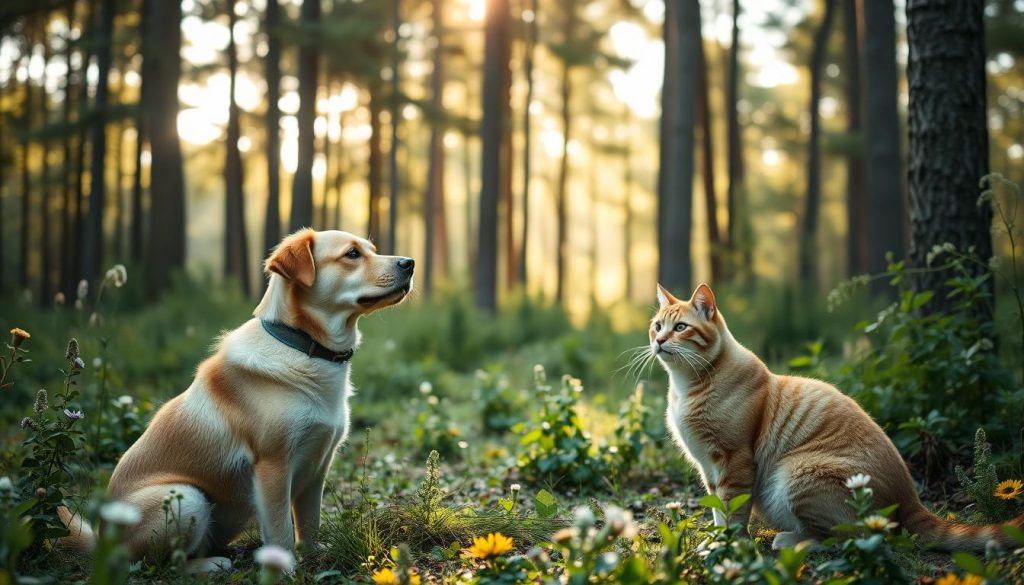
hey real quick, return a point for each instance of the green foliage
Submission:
(632, 433)
(435, 432)
(981, 489)
(501, 405)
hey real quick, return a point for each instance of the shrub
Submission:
(501, 405)
(992, 504)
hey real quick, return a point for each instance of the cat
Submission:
(790, 442)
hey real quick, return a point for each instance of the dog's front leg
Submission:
(307, 510)
(273, 503)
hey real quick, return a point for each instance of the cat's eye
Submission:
(352, 254)
(680, 327)
(657, 325)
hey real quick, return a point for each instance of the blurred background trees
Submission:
(551, 148)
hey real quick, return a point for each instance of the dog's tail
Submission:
(81, 537)
(951, 536)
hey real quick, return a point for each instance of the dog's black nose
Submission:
(406, 264)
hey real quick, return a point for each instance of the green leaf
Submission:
(547, 505)
(969, 563)
(712, 501)
(737, 502)
(506, 504)
(1014, 533)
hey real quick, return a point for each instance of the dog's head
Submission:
(335, 273)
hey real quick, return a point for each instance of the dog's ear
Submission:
(293, 258)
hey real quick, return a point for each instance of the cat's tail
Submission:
(81, 537)
(951, 536)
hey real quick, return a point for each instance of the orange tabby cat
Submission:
(791, 442)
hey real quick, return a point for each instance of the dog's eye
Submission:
(352, 254)
(680, 327)
(657, 326)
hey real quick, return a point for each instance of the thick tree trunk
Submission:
(885, 199)
(435, 233)
(735, 154)
(948, 136)
(302, 187)
(812, 204)
(707, 132)
(396, 116)
(492, 133)
(675, 197)
(92, 252)
(531, 43)
(45, 188)
(166, 250)
(78, 181)
(374, 170)
(138, 220)
(561, 196)
(506, 205)
(26, 181)
(272, 70)
(236, 248)
(856, 237)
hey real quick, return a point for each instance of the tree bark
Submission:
(627, 204)
(236, 248)
(67, 266)
(435, 233)
(492, 132)
(812, 205)
(675, 196)
(26, 181)
(885, 199)
(46, 196)
(166, 250)
(374, 167)
(948, 137)
(92, 252)
(561, 197)
(138, 219)
(302, 187)
(396, 116)
(715, 247)
(531, 43)
(272, 70)
(856, 237)
(734, 161)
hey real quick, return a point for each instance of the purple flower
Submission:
(73, 415)
(78, 363)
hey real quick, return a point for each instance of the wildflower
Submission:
(73, 350)
(426, 387)
(6, 484)
(95, 320)
(73, 415)
(515, 487)
(879, 523)
(490, 546)
(97, 362)
(41, 401)
(59, 299)
(41, 493)
(950, 517)
(275, 557)
(728, 569)
(120, 513)
(674, 506)
(117, 275)
(83, 289)
(583, 517)
(971, 580)
(432, 400)
(386, 576)
(78, 364)
(463, 444)
(125, 400)
(539, 376)
(18, 336)
(858, 481)
(563, 536)
(1009, 489)
(28, 423)
(620, 522)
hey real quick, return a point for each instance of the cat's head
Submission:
(686, 336)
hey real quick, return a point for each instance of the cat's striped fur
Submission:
(789, 441)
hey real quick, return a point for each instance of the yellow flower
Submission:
(948, 579)
(878, 523)
(971, 580)
(385, 577)
(1009, 489)
(18, 335)
(950, 516)
(490, 546)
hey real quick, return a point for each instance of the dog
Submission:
(255, 433)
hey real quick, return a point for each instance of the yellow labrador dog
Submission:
(255, 433)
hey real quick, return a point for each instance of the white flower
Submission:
(117, 275)
(879, 523)
(858, 481)
(275, 557)
(426, 388)
(620, 521)
(463, 445)
(432, 400)
(83, 289)
(125, 400)
(674, 506)
(583, 517)
(97, 362)
(728, 568)
(6, 484)
(73, 414)
(515, 487)
(120, 513)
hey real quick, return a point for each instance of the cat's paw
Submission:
(208, 565)
(791, 539)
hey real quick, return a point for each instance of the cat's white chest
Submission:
(696, 449)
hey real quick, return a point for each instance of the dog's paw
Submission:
(208, 565)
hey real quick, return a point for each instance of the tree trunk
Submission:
(46, 196)
(948, 137)
(166, 250)
(236, 248)
(119, 214)
(374, 164)
(492, 133)
(809, 231)
(339, 170)
(675, 197)
(67, 267)
(885, 199)
(272, 65)
(531, 43)
(302, 187)
(856, 236)
(735, 155)
(92, 252)
(396, 116)
(561, 202)
(138, 219)
(26, 180)
(708, 161)
(627, 204)
(506, 206)
(435, 232)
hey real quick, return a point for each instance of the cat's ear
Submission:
(665, 298)
(703, 301)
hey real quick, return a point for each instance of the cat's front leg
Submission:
(736, 479)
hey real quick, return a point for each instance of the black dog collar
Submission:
(302, 341)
